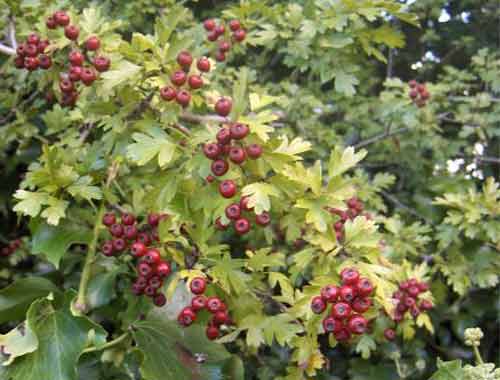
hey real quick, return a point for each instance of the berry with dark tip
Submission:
(389, 334)
(51, 23)
(198, 285)
(331, 324)
(237, 155)
(61, 18)
(138, 249)
(144, 238)
(341, 310)
(184, 59)
(88, 76)
(116, 230)
(365, 287)
(220, 318)
(76, 58)
(128, 219)
(330, 293)
(220, 56)
(223, 106)
(212, 332)
(240, 35)
(220, 29)
(199, 303)
(214, 304)
(144, 269)
(195, 82)
(152, 256)
(163, 269)
(71, 32)
(178, 77)
(45, 61)
(357, 324)
(254, 151)
(183, 98)
(361, 305)
(130, 232)
(227, 188)
(426, 305)
(168, 93)
(203, 64)
(223, 136)
(224, 46)
(119, 244)
(219, 225)
(234, 25)
(66, 85)
(349, 276)
(75, 73)
(233, 211)
(107, 248)
(244, 204)
(343, 335)
(101, 63)
(93, 43)
(159, 300)
(263, 219)
(239, 131)
(242, 226)
(211, 151)
(212, 36)
(209, 24)
(318, 305)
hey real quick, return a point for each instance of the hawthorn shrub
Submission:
(237, 192)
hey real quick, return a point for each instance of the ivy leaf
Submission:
(61, 340)
(451, 370)
(342, 161)
(149, 146)
(53, 241)
(260, 194)
(16, 298)
(18, 342)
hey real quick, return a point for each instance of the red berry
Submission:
(220, 29)
(61, 18)
(347, 293)
(237, 155)
(212, 36)
(263, 219)
(242, 226)
(210, 178)
(130, 232)
(224, 46)
(107, 248)
(212, 332)
(154, 219)
(51, 23)
(338, 226)
(423, 286)
(426, 305)
(219, 225)
(227, 188)
(209, 24)
(389, 334)
(195, 82)
(21, 50)
(155, 282)
(178, 77)
(71, 32)
(211, 151)
(116, 230)
(239, 35)
(119, 244)
(421, 88)
(398, 316)
(75, 73)
(184, 59)
(365, 287)
(159, 300)
(144, 269)
(45, 61)
(128, 219)
(152, 256)
(224, 136)
(341, 310)
(219, 168)
(168, 93)
(413, 94)
(198, 285)
(92, 43)
(186, 317)
(223, 106)
(234, 25)
(409, 302)
(412, 83)
(31, 50)
(343, 335)
(136, 290)
(203, 64)
(143, 238)
(141, 282)
(239, 131)
(318, 305)
(361, 305)
(424, 95)
(330, 293)
(76, 58)
(244, 204)
(220, 56)
(87, 76)
(233, 211)
(349, 276)
(42, 45)
(150, 291)
(357, 324)
(220, 318)
(404, 285)
(198, 303)
(101, 63)
(398, 295)
(19, 62)
(414, 291)
(214, 304)
(415, 311)
(69, 98)
(331, 324)
(183, 98)
(254, 151)
(33, 39)
(138, 249)
(163, 269)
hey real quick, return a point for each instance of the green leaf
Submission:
(149, 146)
(56, 119)
(240, 100)
(365, 346)
(30, 202)
(264, 258)
(124, 72)
(53, 241)
(361, 233)
(101, 288)
(61, 340)
(345, 83)
(260, 194)
(16, 298)
(18, 342)
(342, 161)
(451, 370)
(83, 188)
(316, 213)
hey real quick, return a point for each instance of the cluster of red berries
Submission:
(349, 302)
(418, 93)
(214, 32)
(10, 248)
(151, 269)
(213, 305)
(407, 299)
(180, 77)
(235, 213)
(31, 54)
(354, 208)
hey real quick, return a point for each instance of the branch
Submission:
(404, 207)
(11, 34)
(382, 136)
(199, 119)
(7, 50)
(107, 345)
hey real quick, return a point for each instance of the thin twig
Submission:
(404, 207)
(11, 33)
(382, 136)
(7, 50)
(199, 119)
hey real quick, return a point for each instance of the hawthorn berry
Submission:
(412, 83)
(420, 88)
(227, 188)
(233, 211)
(159, 299)
(107, 248)
(415, 311)
(214, 304)
(413, 94)
(152, 256)
(76, 58)
(144, 269)
(87, 76)
(144, 238)
(45, 61)
(239, 131)
(184, 59)
(357, 324)
(342, 335)
(365, 287)
(239, 35)
(220, 29)
(150, 291)
(254, 151)
(219, 167)
(31, 50)
(168, 93)
(212, 36)
(234, 25)
(220, 318)
(163, 269)
(116, 230)
(210, 178)
(71, 32)
(220, 56)
(341, 310)
(155, 282)
(331, 324)
(153, 219)
(61, 18)
(130, 232)
(223, 106)
(203, 64)
(209, 24)
(330, 293)
(183, 98)
(69, 98)
(389, 334)
(219, 225)
(426, 305)
(349, 276)
(318, 305)
(413, 291)
(242, 226)
(109, 219)
(263, 219)
(244, 203)
(19, 62)
(51, 23)
(224, 136)
(224, 46)
(199, 303)
(361, 304)
(195, 82)
(198, 285)
(136, 289)
(93, 43)
(211, 150)
(101, 63)
(75, 73)
(138, 249)
(423, 286)
(33, 39)
(119, 244)
(212, 332)
(425, 95)
(128, 219)
(237, 155)
(178, 77)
